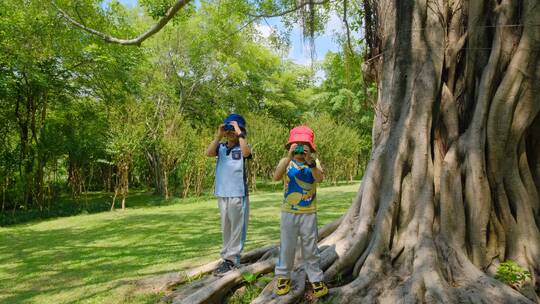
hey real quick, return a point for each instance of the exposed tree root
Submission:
(259, 261)
(213, 290)
(167, 281)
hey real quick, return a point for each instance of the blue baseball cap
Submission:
(238, 118)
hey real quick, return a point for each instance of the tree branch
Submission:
(134, 41)
(346, 22)
(301, 5)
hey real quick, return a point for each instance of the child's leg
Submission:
(287, 247)
(237, 214)
(310, 251)
(225, 225)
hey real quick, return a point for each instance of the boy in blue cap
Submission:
(231, 188)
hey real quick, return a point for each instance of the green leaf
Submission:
(249, 277)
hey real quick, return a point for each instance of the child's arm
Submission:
(212, 147)
(246, 150)
(281, 168)
(283, 164)
(317, 171)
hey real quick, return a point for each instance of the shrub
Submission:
(267, 138)
(512, 274)
(338, 148)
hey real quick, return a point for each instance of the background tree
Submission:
(44, 67)
(267, 139)
(124, 142)
(348, 98)
(336, 143)
(65, 92)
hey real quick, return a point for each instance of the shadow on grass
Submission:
(63, 258)
(91, 203)
(85, 257)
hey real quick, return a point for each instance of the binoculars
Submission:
(228, 127)
(299, 150)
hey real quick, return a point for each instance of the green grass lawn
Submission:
(89, 258)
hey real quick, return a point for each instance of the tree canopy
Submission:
(80, 113)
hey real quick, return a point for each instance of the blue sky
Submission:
(299, 53)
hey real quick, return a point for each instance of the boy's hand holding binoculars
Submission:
(237, 129)
(220, 133)
(291, 151)
(301, 149)
(308, 155)
(232, 126)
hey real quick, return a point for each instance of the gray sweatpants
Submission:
(234, 219)
(303, 226)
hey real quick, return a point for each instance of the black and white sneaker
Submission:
(224, 267)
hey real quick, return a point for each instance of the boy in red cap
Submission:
(231, 188)
(300, 172)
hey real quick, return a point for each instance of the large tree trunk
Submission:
(449, 192)
(452, 186)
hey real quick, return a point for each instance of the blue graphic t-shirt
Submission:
(300, 195)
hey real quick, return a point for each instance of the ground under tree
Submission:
(452, 187)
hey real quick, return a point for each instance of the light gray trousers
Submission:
(234, 219)
(303, 226)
